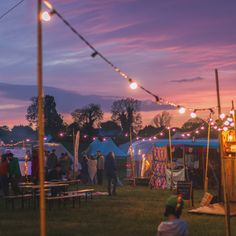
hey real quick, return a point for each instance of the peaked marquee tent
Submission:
(105, 147)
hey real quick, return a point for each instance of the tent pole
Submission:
(223, 172)
(40, 119)
(171, 159)
(207, 158)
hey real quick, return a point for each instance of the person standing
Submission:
(173, 226)
(111, 172)
(4, 168)
(100, 167)
(14, 172)
(92, 169)
(84, 169)
(35, 166)
(52, 161)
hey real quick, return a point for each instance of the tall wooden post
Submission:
(207, 158)
(132, 155)
(40, 119)
(222, 171)
(171, 159)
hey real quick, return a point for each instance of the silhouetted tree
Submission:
(53, 121)
(193, 124)
(88, 117)
(21, 132)
(5, 134)
(110, 125)
(125, 112)
(148, 131)
(162, 120)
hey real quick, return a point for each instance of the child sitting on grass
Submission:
(174, 226)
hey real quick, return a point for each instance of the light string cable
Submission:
(95, 53)
(11, 9)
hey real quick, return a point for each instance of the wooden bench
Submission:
(73, 195)
(12, 198)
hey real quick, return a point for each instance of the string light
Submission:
(225, 128)
(133, 85)
(222, 116)
(46, 16)
(182, 110)
(193, 115)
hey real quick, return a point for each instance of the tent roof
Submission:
(105, 147)
(145, 146)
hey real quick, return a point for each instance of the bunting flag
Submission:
(76, 154)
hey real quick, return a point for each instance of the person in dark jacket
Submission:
(84, 170)
(52, 161)
(4, 168)
(14, 172)
(35, 166)
(111, 172)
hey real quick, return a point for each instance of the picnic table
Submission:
(48, 187)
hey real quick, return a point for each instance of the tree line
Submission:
(125, 118)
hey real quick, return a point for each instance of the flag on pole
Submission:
(76, 154)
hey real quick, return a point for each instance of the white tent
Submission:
(105, 147)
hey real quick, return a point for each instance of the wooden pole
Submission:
(207, 158)
(132, 155)
(223, 173)
(171, 159)
(40, 119)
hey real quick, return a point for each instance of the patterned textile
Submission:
(159, 162)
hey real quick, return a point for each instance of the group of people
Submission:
(93, 169)
(9, 173)
(55, 168)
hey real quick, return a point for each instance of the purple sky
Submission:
(170, 47)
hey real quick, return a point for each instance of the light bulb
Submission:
(225, 128)
(226, 122)
(46, 16)
(133, 85)
(222, 116)
(182, 110)
(193, 115)
(232, 124)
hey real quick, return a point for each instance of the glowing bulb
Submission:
(182, 110)
(230, 138)
(193, 115)
(47, 4)
(222, 116)
(188, 135)
(225, 128)
(45, 16)
(202, 128)
(133, 85)
(226, 123)
(155, 137)
(173, 130)
(197, 132)
(232, 124)
(230, 119)
(161, 133)
(215, 127)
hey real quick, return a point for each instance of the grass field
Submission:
(134, 211)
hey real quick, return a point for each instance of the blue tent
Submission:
(105, 147)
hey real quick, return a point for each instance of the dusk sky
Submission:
(170, 47)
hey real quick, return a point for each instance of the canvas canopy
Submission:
(105, 147)
(143, 147)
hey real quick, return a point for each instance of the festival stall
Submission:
(153, 161)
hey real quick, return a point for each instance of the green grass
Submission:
(134, 211)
